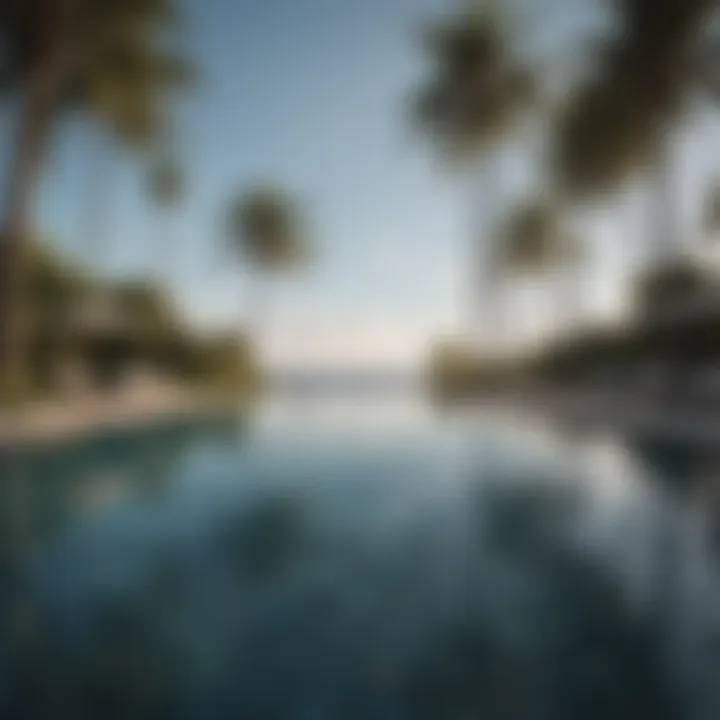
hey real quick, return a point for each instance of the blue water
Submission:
(359, 558)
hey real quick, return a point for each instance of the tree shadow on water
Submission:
(587, 653)
(265, 541)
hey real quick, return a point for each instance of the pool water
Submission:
(360, 557)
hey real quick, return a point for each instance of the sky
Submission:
(311, 95)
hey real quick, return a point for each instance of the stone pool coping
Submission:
(60, 421)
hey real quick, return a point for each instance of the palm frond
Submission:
(265, 228)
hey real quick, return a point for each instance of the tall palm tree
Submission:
(167, 189)
(535, 243)
(711, 211)
(97, 196)
(530, 240)
(266, 232)
(474, 96)
(109, 58)
(619, 122)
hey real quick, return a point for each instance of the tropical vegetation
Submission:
(112, 63)
(90, 335)
(615, 128)
(475, 94)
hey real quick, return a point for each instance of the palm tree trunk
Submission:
(664, 208)
(97, 240)
(253, 319)
(166, 252)
(34, 122)
(537, 319)
(483, 298)
(546, 308)
(259, 317)
(559, 309)
(482, 292)
(471, 299)
(571, 299)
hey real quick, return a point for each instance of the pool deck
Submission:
(58, 421)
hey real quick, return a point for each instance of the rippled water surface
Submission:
(360, 558)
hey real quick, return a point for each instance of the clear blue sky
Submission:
(310, 94)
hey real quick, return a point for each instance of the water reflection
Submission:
(411, 568)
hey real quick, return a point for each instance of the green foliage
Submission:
(222, 361)
(116, 61)
(677, 326)
(604, 135)
(457, 371)
(145, 304)
(535, 240)
(265, 229)
(668, 287)
(54, 286)
(617, 121)
(476, 89)
(113, 58)
(110, 328)
(682, 346)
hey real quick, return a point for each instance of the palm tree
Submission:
(711, 220)
(266, 232)
(619, 122)
(530, 240)
(167, 189)
(108, 58)
(535, 243)
(97, 197)
(475, 94)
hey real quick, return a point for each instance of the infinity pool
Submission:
(360, 557)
